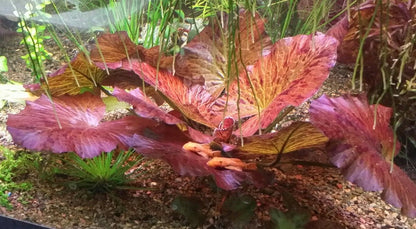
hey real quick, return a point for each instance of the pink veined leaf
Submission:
(293, 71)
(80, 129)
(144, 106)
(363, 146)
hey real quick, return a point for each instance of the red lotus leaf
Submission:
(293, 71)
(144, 106)
(111, 49)
(363, 146)
(70, 123)
(290, 74)
(193, 101)
(205, 58)
(81, 75)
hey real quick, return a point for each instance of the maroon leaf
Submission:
(70, 123)
(290, 74)
(144, 106)
(363, 146)
(122, 79)
(293, 71)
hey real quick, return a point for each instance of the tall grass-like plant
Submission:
(126, 16)
(33, 38)
(292, 17)
(102, 173)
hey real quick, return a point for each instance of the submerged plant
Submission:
(219, 78)
(103, 173)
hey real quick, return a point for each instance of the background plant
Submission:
(33, 38)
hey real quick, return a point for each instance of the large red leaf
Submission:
(293, 71)
(207, 57)
(290, 74)
(363, 146)
(70, 123)
(193, 101)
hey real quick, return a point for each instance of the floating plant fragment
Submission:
(363, 146)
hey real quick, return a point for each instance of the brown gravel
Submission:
(332, 201)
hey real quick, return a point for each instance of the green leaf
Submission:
(240, 209)
(3, 64)
(190, 208)
(295, 218)
(112, 103)
(180, 13)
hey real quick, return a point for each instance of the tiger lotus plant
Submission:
(224, 89)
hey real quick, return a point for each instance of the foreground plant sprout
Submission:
(223, 90)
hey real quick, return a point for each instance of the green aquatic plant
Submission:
(3, 68)
(103, 173)
(12, 166)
